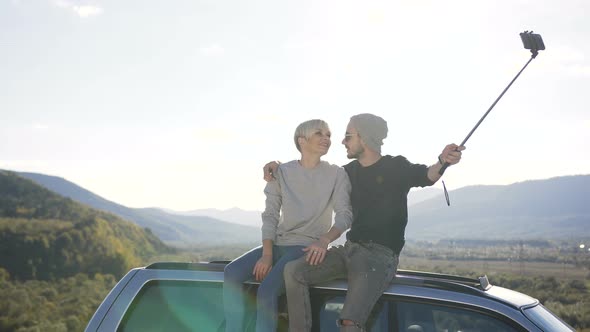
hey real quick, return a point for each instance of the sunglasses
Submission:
(348, 136)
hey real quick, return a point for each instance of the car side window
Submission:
(391, 314)
(331, 308)
(175, 306)
(423, 317)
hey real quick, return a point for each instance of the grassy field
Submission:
(560, 271)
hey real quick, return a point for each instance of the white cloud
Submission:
(40, 126)
(61, 3)
(212, 50)
(579, 70)
(215, 136)
(568, 54)
(567, 60)
(80, 10)
(86, 11)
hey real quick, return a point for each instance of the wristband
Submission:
(440, 159)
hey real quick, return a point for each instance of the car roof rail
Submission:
(201, 266)
(446, 280)
(435, 275)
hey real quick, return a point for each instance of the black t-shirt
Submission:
(379, 199)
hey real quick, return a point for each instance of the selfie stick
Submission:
(531, 41)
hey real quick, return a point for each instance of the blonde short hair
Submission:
(308, 128)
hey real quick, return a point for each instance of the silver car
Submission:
(187, 297)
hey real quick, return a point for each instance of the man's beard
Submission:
(355, 154)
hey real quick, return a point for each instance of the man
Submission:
(370, 256)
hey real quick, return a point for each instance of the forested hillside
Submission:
(61, 305)
(46, 236)
(173, 229)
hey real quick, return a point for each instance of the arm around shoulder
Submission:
(342, 206)
(272, 210)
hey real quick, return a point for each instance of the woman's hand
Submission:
(316, 252)
(262, 267)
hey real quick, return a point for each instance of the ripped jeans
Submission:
(368, 267)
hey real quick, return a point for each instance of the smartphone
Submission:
(532, 41)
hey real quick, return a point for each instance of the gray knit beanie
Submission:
(371, 128)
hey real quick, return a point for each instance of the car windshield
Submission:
(545, 319)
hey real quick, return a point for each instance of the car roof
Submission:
(408, 283)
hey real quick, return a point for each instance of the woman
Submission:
(297, 219)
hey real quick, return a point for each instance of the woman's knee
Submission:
(232, 272)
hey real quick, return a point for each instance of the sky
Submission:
(179, 104)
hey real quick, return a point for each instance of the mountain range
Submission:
(549, 208)
(552, 208)
(233, 215)
(252, 218)
(173, 229)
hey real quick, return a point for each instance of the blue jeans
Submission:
(368, 267)
(270, 288)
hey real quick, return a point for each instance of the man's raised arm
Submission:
(451, 154)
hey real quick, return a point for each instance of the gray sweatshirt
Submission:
(300, 202)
